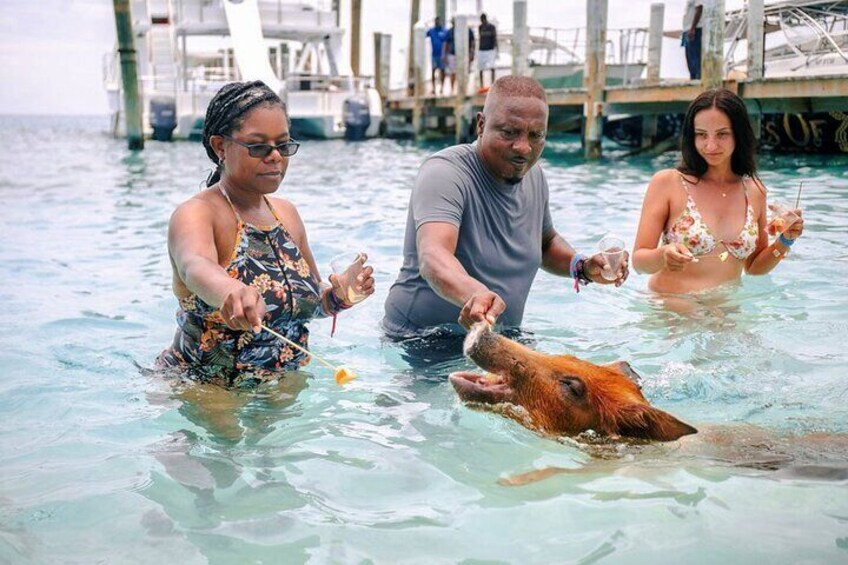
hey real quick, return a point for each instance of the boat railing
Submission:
(312, 13)
(565, 46)
(307, 82)
(807, 30)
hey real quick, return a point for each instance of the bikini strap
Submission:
(232, 207)
(683, 183)
(745, 179)
(273, 211)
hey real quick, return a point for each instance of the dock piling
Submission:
(355, 27)
(756, 68)
(756, 29)
(520, 38)
(712, 45)
(414, 16)
(594, 77)
(655, 36)
(460, 113)
(419, 50)
(382, 64)
(129, 75)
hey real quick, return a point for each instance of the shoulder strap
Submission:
(233, 208)
(274, 213)
(684, 184)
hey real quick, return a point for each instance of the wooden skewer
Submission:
(296, 346)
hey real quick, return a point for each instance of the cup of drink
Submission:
(347, 267)
(612, 248)
(782, 216)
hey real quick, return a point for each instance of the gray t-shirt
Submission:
(500, 238)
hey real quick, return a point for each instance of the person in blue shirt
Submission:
(437, 39)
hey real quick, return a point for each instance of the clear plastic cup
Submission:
(782, 216)
(613, 249)
(346, 267)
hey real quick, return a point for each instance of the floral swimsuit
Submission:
(691, 230)
(209, 351)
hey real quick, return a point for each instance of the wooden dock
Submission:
(589, 104)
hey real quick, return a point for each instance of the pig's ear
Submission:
(647, 422)
(624, 368)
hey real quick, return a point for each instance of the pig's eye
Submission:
(573, 386)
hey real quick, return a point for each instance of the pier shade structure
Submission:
(594, 76)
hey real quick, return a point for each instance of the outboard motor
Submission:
(357, 118)
(163, 117)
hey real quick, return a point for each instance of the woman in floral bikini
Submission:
(704, 223)
(240, 258)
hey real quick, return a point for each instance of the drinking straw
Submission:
(798, 198)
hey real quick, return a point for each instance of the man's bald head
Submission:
(513, 87)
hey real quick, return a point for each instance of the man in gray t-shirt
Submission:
(479, 226)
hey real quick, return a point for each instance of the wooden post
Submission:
(460, 38)
(756, 27)
(520, 38)
(355, 25)
(441, 10)
(655, 38)
(129, 74)
(382, 63)
(414, 15)
(594, 76)
(712, 45)
(419, 49)
(756, 68)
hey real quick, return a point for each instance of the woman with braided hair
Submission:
(240, 258)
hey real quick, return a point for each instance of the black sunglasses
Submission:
(262, 150)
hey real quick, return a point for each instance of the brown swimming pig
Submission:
(560, 394)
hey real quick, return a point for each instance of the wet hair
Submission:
(228, 110)
(519, 87)
(744, 158)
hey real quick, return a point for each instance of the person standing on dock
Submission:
(449, 53)
(437, 40)
(690, 37)
(479, 227)
(488, 48)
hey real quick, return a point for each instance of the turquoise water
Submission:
(103, 462)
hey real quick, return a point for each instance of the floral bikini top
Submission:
(691, 230)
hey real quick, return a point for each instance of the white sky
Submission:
(51, 51)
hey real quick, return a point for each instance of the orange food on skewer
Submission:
(344, 375)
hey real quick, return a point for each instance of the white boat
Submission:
(803, 38)
(187, 49)
(557, 56)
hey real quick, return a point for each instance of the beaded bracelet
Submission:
(336, 305)
(576, 270)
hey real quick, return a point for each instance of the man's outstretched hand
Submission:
(484, 306)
